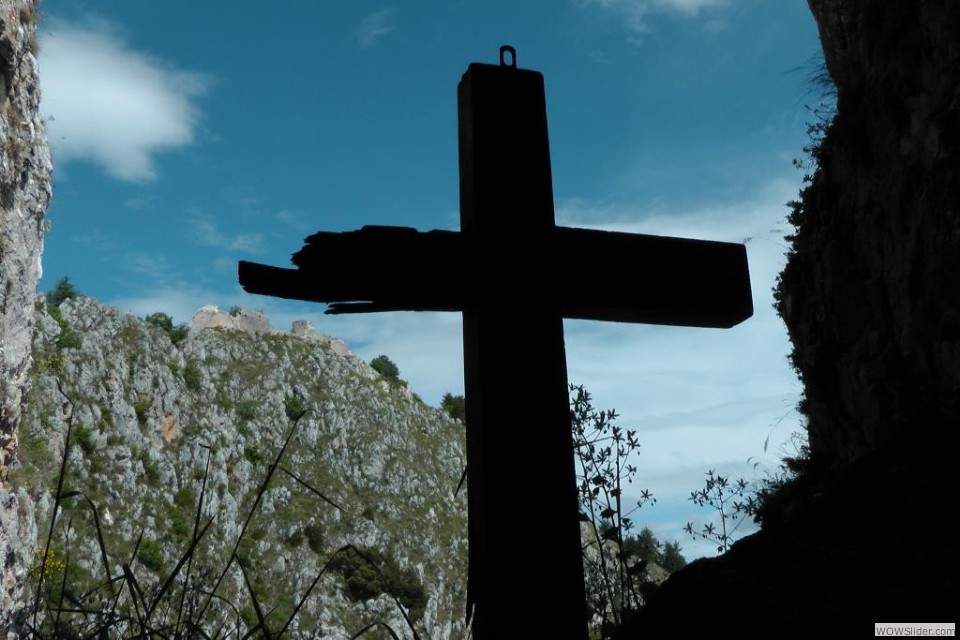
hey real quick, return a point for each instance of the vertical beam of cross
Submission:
(515, 276)
(522, 499)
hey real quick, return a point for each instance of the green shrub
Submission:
(295, 538)
(140, 406)
(246, 409)
(52, 362)
(314, 535)
(150, 555)
(185, 498)
(68, 338)
(106, 418)
(97, 465)
(364, 581)
(179, 333)
(150, 472)
(293, 406)
(224, 401)
(61, 578)
(176, 333)
(178, 524)
(249, 615)
(385, 367)
(81, 435)
(253, 454)
(192, 377)
(776, 493)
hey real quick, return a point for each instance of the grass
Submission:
(318, 464)
(140, 596)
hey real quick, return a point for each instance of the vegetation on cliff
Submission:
(166, 439)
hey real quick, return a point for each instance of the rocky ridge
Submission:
(157, 424)
(24, 194)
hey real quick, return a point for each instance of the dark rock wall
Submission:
(871, 292)
(871, 298)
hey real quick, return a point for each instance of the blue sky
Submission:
(187, 137)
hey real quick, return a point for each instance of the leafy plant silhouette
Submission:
(733, 503)
(615, 577)
(186, 602)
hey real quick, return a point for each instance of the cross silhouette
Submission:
(515, 276)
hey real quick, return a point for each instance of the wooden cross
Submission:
(515, 276)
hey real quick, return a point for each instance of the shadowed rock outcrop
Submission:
(871, 299)
(871, 293)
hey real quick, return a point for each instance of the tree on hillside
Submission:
(177, 333)
(161, 320)
(455, 406)
(645, 547)
(385, 367)
(61, 291)
(671, 559)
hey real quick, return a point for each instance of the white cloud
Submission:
(138, 203)
(374, 27)
(699, 398)
(109, 104)
(96, 241)
(180, 303)
(636, 12)
(155, 267)
(293, 219)
(685, 7)
(207, 232)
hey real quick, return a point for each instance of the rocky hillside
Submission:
(160, 432)
(24, 194)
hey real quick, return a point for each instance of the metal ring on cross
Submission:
(505, 49)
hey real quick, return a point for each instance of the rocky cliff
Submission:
(870, 292)
(24, 194)
(161, 432)
(871, 299)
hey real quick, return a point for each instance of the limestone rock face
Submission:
(156, 425)
(871, 292)
(24, 195)
(251, 322)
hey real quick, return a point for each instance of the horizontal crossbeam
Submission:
(587, 274)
